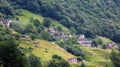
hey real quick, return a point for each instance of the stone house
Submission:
(86, 43)
(51, 31)
(83, 41)
(57, 34)
(6, 22)
(72, 60)
(81, 37)
(111, 45)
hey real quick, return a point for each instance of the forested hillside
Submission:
(86, 16)
(57, 33)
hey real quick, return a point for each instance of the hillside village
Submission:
(58, 34)
(81, 38)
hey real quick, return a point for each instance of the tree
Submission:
(115, 58)
(73, 40)
(34, 61)
(36, 22)
(32, 36)
(73, 30)
(58, 61)
(59, 28)
(82, 65)
(46, 22)
(17, 26)
(12, 55)
(45, 36)
(30, 28)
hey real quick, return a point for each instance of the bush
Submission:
(58, 61)
(11, 55)
(17, 26)
(45, 36)
(115, 58)
(34, 61)
(46, 22)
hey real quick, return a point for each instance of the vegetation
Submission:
(92, 18)
(68, 45)
(10, 54)
(34, 61)
(88, 17)
(115, 57)
(58, 61)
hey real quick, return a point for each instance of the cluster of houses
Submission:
(61, 35)
(81, 38)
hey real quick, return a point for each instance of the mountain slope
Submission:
(87, 16)
(97, 57)
(27, 15)
(43, 49)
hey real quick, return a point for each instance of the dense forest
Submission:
(86, 16)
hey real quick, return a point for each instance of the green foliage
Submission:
(45, 36)
(73, 30)
(34, 61)
(46, 22)
(73, 40)
(56, 57)
(57, 61)
(115, 58)
(18, 27)
(69, 46)
(5, 35)
(11, 55)
(5, 8)
(30, 28)
(82, 65)
(97, 42)
(94, 17)
(32, 36)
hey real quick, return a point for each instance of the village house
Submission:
(51, 31)
(6, 22)
(81, 37)
(63, 35)
(84, 42)
(110, 45)
(73, 60)
(25, 35)
(57, 34)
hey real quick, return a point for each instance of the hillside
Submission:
(86, 16)
(56, 31)
(97, 57)
(27, 15)
(43, 49)
(104, 39)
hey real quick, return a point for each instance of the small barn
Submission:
(86, 43)
(72, 60)
(111, 45)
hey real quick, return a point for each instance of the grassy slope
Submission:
(25, 19)
(105, 40)
(92, 54)
(44, 49)
(97, 57)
